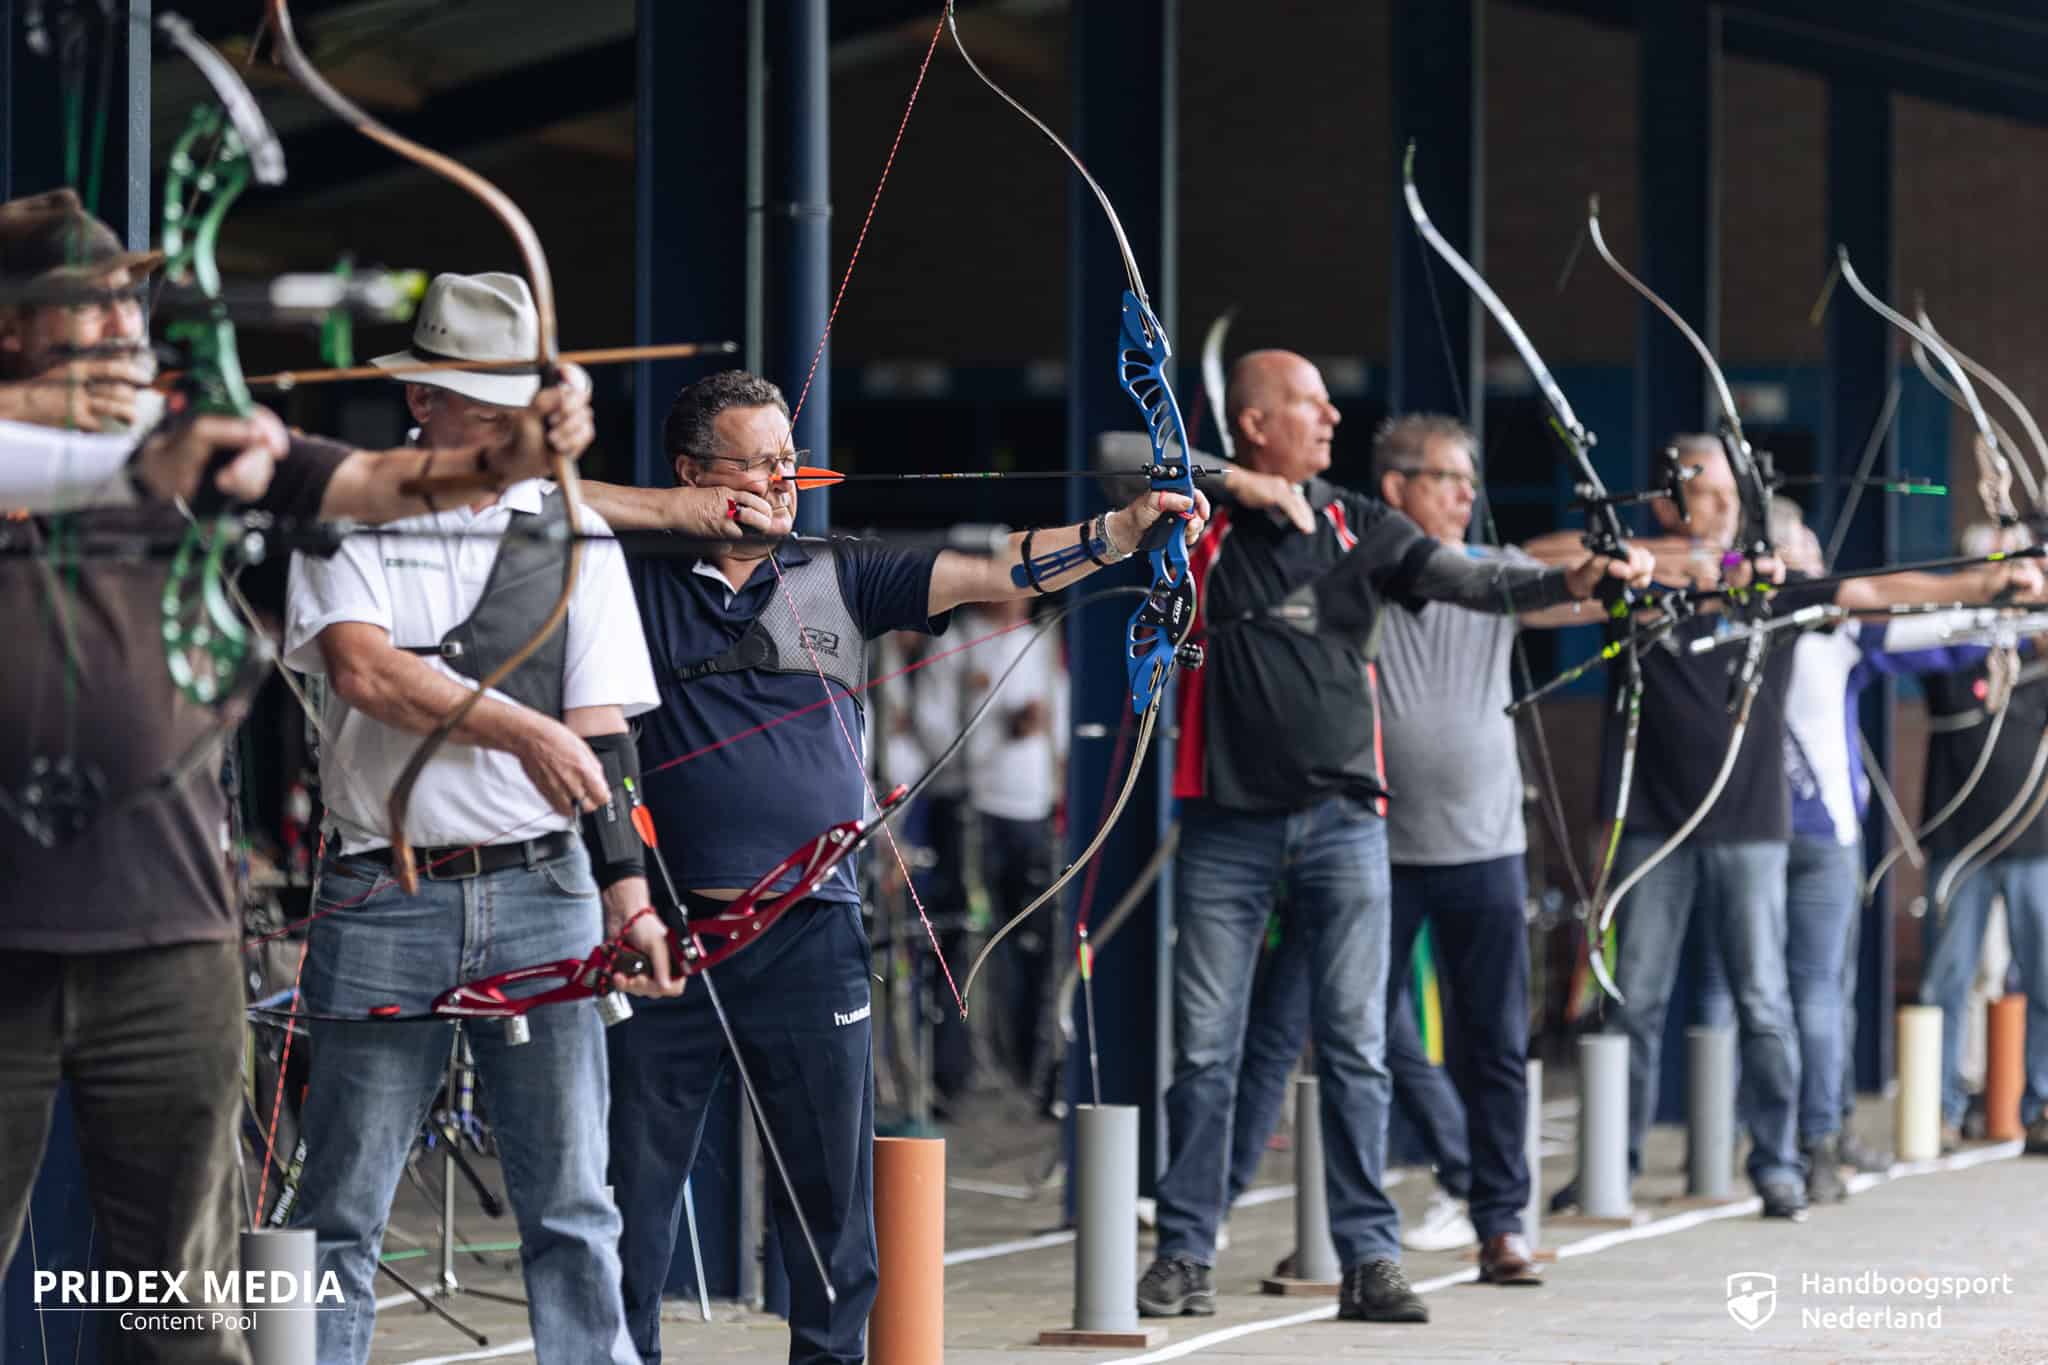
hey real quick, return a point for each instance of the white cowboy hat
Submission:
(474, 317)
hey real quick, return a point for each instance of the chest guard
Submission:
(526, 579)
(829, 640)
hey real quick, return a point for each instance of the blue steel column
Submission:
(691, 284)
(1437, 364)
(800, 227)
(690, 204)
(1859, 190)
(1124, 60)
(1677, 173)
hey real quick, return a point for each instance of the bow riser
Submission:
(1156, 636)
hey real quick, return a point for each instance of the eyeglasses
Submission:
(1470, 481)
(757, 464)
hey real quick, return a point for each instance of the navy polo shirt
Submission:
(727, 816)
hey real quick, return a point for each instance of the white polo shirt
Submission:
(418, 589)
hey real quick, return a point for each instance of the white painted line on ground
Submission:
(510, 1348)
(991, 1187)
(393, 1300)
(989, 1253)
(1585, 1246)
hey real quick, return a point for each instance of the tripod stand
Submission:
(449, 1124)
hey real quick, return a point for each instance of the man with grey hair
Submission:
(1281, 780)
(744, 637)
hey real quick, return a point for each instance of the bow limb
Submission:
(2004, 393)
(1751, 476)
(1604, 536)
(1156, 635)
(1212, 381)
(1996, 486)
(1987, 432)
(547, 360)
(1753, 482)
(1081, 860)
(1999, 834)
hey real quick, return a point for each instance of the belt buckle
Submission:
(453, 869)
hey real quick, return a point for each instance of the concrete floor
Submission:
(1653, 1292)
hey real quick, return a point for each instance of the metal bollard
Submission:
(284, 1334)
(1603, 1126)
(1315, 1255)
(1532, 1142)
(1105, 1180)
(1710, 1111)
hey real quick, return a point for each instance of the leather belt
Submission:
(459, 862)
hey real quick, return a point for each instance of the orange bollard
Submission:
(2005, 1036)
(907, 1325)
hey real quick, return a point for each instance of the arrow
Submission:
(612, 355)
(810, 476)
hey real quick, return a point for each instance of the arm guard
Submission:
(616, 852)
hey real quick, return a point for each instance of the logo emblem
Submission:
(1752, 1298)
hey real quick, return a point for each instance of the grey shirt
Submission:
(1452, 761)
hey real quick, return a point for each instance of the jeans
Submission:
(1742, 888)
(1953, 943)
(371, 1085)
(1479, 927)
(151, 1043)
(1273, 1041)
(798, 1002)
(1823, 889)
(1332, 860)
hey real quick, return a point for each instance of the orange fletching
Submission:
(643, 824)
(810, 476)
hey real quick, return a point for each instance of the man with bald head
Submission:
(1281, 783)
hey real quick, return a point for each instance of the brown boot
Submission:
(1506, 1259)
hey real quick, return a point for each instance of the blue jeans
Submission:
(372, 1083)
(1479, 926)
(1332, 859)
(1742, 887)
(798, 1002)
(1823, 889)
(1274, 1039)
(1953, 943)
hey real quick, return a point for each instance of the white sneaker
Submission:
(1444, 1226)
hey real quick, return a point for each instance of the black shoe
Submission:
(1784, 1199)
(2037, 1137)
(1175, 1286)
(1865, 1158)
(1824, 1183)
(1566, 1200)
(1377, 1291)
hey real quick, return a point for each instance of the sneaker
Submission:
(1784, 1199)
(2037, 1137)
(1377, 1291)
(1854, 1151)
(1951, 1138)
(1824, 1183)
(1445, 1225)
(1175, 1286)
